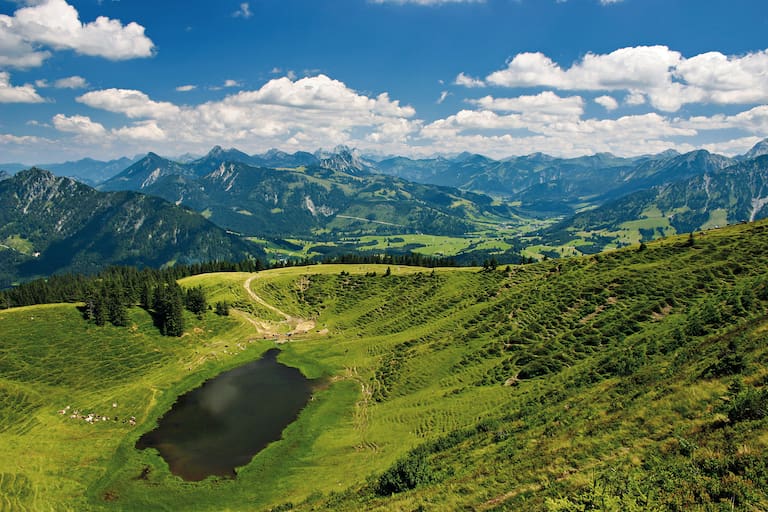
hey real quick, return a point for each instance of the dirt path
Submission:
(247, 286)
(296, 325)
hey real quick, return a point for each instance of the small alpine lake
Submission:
(222, 424)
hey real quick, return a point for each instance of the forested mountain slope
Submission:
(50, 224)
(719, 197)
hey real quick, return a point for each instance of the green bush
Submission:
(749, 404)
(407, 473)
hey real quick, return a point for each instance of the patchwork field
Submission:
(427, 245)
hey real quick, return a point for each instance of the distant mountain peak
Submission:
(36, 174)
(342, 148)
(219, 154)
(278, 158)
(759, 149)
(466, 156)
(274, 153)
(343, 159)
(339, 150)
(75, 228)
(670, 153)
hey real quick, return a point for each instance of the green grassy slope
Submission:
(626, 380)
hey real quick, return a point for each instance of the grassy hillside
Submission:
(627, 380)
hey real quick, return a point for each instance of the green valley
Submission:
(626, 380)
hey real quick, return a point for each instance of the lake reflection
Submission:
(222, 424)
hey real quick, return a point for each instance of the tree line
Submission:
(108, 294)
(407, 259)
(165, 300)
(131, 279)
(124, 281)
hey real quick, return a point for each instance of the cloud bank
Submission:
(656, 74)
(28, 36)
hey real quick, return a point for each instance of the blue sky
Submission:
(106, 78)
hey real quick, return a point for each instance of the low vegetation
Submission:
(627, 380)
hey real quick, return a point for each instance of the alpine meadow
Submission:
(383, 255)
(627, 380)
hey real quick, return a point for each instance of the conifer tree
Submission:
(196, 301)
(99, 309)
(169, 307)
(117, 312)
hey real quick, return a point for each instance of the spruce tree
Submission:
(196, 301)
(115, 303)
(169, 306)
(99, 309)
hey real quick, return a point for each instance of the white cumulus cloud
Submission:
(22, 140)
(662, 76)
(753, 121)
(71, 82)
(17, 94)
(484, 132)
(546, 102)
(307, 113)
(186, 88)
(467, 81)
(130, 102)
(80, 125)
(635, 98)
(143, 131)
(56, 25)
(607, 102)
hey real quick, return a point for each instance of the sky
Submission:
(111, 78)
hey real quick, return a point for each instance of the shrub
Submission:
(222, 308)
(749, 404)
(407, 473)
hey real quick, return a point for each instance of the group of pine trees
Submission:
(108, 295)
(106, 301)
(131, 281)
(125, 283)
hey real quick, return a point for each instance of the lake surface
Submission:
(222, 424)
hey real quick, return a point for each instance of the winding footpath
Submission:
(297, 325)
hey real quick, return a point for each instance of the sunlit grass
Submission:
(542, 383)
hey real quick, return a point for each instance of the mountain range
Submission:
(52, 224)
(558, 206)
(544, 186)
(714, 198)
(338, 193)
